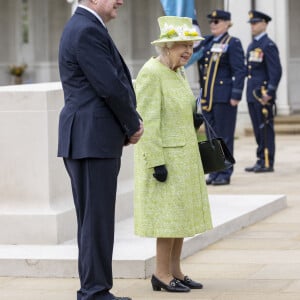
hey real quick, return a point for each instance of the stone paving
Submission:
(260, 262)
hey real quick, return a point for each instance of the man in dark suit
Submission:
(99, 117)
(222, 73)
(264, 73)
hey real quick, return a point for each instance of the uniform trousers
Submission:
(263, 131)
(94, 185)
(222, 119)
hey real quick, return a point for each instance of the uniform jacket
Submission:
(99, 112)
(264, 68)
(222, 70)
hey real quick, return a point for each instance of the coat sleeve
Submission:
(238, 68)
(274, 70)
(104, 69)
(149, 106)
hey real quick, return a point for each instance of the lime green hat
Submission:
(176, 29)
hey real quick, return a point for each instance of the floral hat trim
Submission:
(176, 29)
(169, 31)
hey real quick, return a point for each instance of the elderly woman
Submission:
(171, 200)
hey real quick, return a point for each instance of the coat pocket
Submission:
(173, 141)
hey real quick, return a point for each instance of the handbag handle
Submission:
(210, 132)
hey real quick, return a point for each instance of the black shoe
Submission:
(252, 169)
(220, 181)
(210, 179)
(263, 170)
(190, 283)
(120, 298)
(174, 285)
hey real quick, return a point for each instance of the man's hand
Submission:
(234, 102)
(136, 137)
(266, 98)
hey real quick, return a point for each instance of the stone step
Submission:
(291, 119)
(283, 125)
(134, 257)
(280, 128)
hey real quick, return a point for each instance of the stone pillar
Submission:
(36, 206)
(278, 32)
(241, 29)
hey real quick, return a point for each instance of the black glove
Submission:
(160, 173)
(198, 120)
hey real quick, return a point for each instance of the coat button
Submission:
(249, 67)
(249, 76)
(221, 81)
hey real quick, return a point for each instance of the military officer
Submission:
(264, 73)
(222, 72)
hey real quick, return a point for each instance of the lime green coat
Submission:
(179, 206)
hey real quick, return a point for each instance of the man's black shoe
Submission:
(120, 298)
(252, 169)
(220, 181)
(263, 170)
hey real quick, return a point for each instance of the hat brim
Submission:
(256, 20)
(179, 39)
(219, 18)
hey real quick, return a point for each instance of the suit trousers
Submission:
(94, 185)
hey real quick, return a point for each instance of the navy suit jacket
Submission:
(99, 114)
(264, 68)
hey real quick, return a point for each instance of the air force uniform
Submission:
(264, 73)
(222, 72)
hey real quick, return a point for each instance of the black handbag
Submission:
(214, 153)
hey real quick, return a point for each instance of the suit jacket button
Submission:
(249, 76)
(221, 81)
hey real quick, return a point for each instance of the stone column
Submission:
(278, 32)
(241, 29)
(36, 206)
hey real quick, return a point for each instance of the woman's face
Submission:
(179, 54)
(218, 26)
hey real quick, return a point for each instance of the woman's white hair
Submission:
(163, 47)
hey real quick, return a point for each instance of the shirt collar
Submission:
(258, 37)
(92, 12)
(217, 38)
